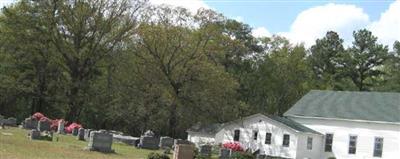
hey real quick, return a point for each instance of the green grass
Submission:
(14, 144)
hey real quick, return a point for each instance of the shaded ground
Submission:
(14, 144)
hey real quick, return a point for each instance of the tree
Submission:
(363, 61)
(392, 70)
(325, 61)
(84, 33)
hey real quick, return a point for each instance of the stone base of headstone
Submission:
(34, 134)
(100, 141)
(166, 142)
(205, 151)
(149, 142)
(184, 151)
(225, 154)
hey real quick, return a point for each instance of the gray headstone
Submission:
(166, 142)
(75, 131)
(148, 142)
(34, 134)
(130, 140)
(81, 134)
(1, 118)
(30, 123)
(205, 151)
(87, 134)
(225, 153)
(61, 127)
(44, 125)
(100, 141)
(10, 121)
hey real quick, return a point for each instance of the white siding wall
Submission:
(315, 152)
(200, 139)
(266, 125)
(366, 133)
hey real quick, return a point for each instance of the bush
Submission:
(157, 156)
(242, 155)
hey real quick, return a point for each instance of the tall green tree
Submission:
(363, 61)
(325, 61)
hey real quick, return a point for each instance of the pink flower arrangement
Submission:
(38, 116)
(71, 127)
(234, 146)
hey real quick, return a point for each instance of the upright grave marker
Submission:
(100, 141)
(184, 151)
(81, 134)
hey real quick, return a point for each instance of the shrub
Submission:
(157, 156)
(242, 155)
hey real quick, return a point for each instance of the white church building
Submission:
(321, 125)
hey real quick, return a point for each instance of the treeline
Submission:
(130, 66)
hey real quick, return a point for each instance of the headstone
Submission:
(205, 151)
(166, 142)
(61, 127)
(34, 134)
(184, 151)
(1, 119)
(10, 121)
(75, 131)
(81, 134)
(130, 140)
(149, 142)
(30, 123)
(44, 125)
(100, 141)
(225, 153)
(87, 134)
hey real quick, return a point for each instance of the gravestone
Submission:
(100, 141)
(149, 142)
(87, 134)
(183, 151)
(225, 153)
(1, 119)
(34, 134)
(30, 123)
(10, 121)
(81, 134)
(61, 127)
(166, 142)
(130, 140)
(205, 151)
(44, 125)
(75, 131)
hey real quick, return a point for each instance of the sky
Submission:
(304, 21)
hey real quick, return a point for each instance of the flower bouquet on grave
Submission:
(234, 146)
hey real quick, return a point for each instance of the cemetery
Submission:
(42, 137)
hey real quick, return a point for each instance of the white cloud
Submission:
(260, 32)
(5, 3)
(387, 28)
(313, 23)
(191, 5)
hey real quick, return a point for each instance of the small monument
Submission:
(44, 125)
(34, 134)
(166, 142)
(100, 141)
(205, 151)
(61, 127)
(225, 153)
(30, 123)
(81, 134)
(183, 151)
(75, 131)
(148, 141)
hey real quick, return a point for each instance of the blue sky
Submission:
(278, 16)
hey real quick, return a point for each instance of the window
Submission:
(309, 143)
(352, 144)
(255, 134)
(236, 135)
(286, 140)
(268, 138)
(328, 142)
(378, 147)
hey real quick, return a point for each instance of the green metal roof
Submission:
(292, 124)
(370, 106)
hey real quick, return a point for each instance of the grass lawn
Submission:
(14, 144)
